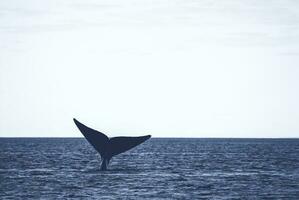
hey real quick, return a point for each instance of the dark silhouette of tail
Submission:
(109, 147)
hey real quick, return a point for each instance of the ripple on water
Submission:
(159, 168)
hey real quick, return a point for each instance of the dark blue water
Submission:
(160, 168)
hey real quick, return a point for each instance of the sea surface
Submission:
(160, 168)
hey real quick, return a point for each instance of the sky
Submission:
(179, 68)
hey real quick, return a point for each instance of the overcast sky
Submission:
(181, 68)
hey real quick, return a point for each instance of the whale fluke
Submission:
(109, 147)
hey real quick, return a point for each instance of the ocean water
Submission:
(43, 168)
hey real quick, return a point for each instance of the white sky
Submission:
(170, 68)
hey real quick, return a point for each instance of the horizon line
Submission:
(66, 137)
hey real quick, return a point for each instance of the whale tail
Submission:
(109, 147)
